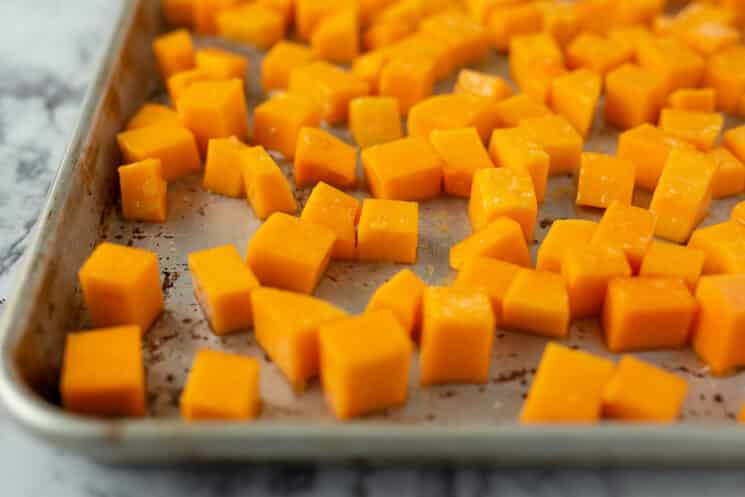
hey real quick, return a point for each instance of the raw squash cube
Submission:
(179, 82)
(639, 391)
(407, 78)
(374, 120)
(633, 95)
(402, 294)
(144, 191)
(730, 176)
(205, 14)
(560, 21)
(223, 173)
(683, 194)
(626, 227)
(215, 109)
(423, 45)
(221, 64)
(479, 10)
(174, 52)
(103, 372)
(512, 110)
(453, 111)
(637, 11)
(409, 12)
(121, 285)
(365, 363)
(285, 8)
(369, 66)
(290, 253)
(558, 138)
(309, 13)
(697, 128)
(564, 234)
(468, 40)
(709, 38)
(674, 261)
(597, 53)
(221, 386)
(647, 313)
(535, 60)
(337, 211)
(604, 179)
(630, 36)
(286, 327)
(277, 121)
(507, 21)
(331, 87)
(501, 239)
(385, 34)
(267, 189)
(279, 62)
(648, 148)
(734, 141)
(150, 114)
(482, 84)
(223, 285)
(537, 302)
(567, 388)
(680, 66)
(511, 148)
(724, 74)
(174, 146)
(738, 213)
(596, 16)
(575, 96)
(405, 169)
(253, 23)
(337, 38)
(719, 334)
(320, 156)
(178, 12)
(388, 231)
(724, 246)
(501, 192)
(457, 337)
(462, 153)
(693, 99)
(489, 276)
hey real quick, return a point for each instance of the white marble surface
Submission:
(48, 50)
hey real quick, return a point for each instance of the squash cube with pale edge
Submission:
(223, 285)
(564, 234)
(697, 128)
(575, 96)
(708, 38)
(405, 169)
(693, 99)
(267, 189)
(339, 212)
(462, 153)
(205, 14)
(320, 156)
(673, 261)
(558, 139)
(512, 110)
(537, 302)
(648, 147)
(730, 176)
(482, 84)
(604, 179)
(174, 146)
(587, 272)
(103, 373)
(374, 120)
(365, 362)
(388, 231)
(633, 95)
(626, 227)
(121, 286)
(506, 21)
(337, 37)
(567, 388)
(278, 121)
(724, 246)
(501, 239)
(401, 294)
(407, 78)
(179, 82)
(279, 62)
(489, 276)
(178, 12)
(289, 253)
(150, 114)
(174, 52)
(144, 192)
(252, 23)
(513, 149)
(679, 65)
(331, 87)
(724, 74)
(453, 111)
(221, 64)
(734, 141)
(501, 192)
(286, 327)
(719, 333)
(221, 386)
(457, 336)
(222, 169)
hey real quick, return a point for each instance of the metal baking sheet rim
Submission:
(171, 440)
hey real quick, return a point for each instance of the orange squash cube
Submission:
(337, 211)
(179, 82)
(452, 111)
(709, 38)
(501, 192)
(457, 337)
(290, 253)
(424, 45)
(408, 12)
(724, 75)
(679, 66)
(633, 95)
(512, 110)
(374, 120)
(223, 285)
(738, 213)
(253, 23)
(388, 231)
(279, 62)
(337, 38)
(121, 286)
(178, 12)
(285, 8)
(174, 52)
(407, 78)
(501, 239)
(286, 327)
(638, 391)
(223, 173)
(174, 146)
(103, 372)
(151, 114)
(647, 313)
(626, 227)
(489, 276)
(369, 66)
(221, 64)
(320, 156)
(697, 128)
(365, 362)
(537, 302)
(277, 122)
(597, 53)
(637, 11)
(467, 39)
(734, 141)
(558, 138)
(462, 153)
(564, 234)
(535, 60)
(221, 386)
(402, 294)
(479, 10)
(575, 96)
(267, 189)
(472, 82)
(674, 261)
(205, 14)
(385, 34)
(631, 36)
(507, 21)
(310, 13)
(511, 148)
(560, 21)
(567, 388)
(144, 192)
(604, 179)
(693, 99)
(730, 176)
(724, 246)
(405, 169)
(648, 148)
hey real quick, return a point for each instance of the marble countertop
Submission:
(48, 52)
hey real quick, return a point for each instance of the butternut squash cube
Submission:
(709, 38)
(626, 227)
(144, 192)
(205, 14)
(724, 246)
(253, 23)
(604, 179)
(560, 21)
(575, 96)
(320, 156)
(285, 8)
(637, 11)
(452, 111)
(369, 66)
(462, 153)
(286, 327)
(121, 286)
(697, 128)
(564, 234)
(337, 211)
(405, 169)
(482, 84)
(633, 95)
(174, 52)
(674, 261)
(730, 176)
(179, 82)
(507, 21)
(424, 45)
(223, 173)
(537, 302)
(388, 231)
(639, 391)
(267, 189)
(501, 192)
(150, 114)
(535, 60)
(221, 64)
(221, 386)
(279, 62)
(174, 146)
(724, 75)
(597, 53)
(365, 362)
(407, 78)
(309, 13)
(647, 313)
(469, 40)
(693, 99)
(501, 239)
(385, 34)
(738, 213)
(559, 140)
(489, 276)
(402, 294)
(374, 120)
(648, 148)
(680, 66)
(277, 122)
(512, 110)
(513, 149)
(457, 337)
(178, 12)
(631, 36)
(734, 141)
(337, 38)
(103, 372)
